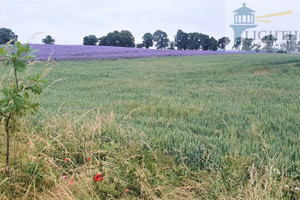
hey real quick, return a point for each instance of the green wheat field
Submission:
(217, 105)
(217, 118)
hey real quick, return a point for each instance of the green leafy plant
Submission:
(15, 99)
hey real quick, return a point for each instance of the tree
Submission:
(147, 40)
(90, 40)
(172, 46)
(238, 43)
(48, 40)
(139, 46)
(103, 41)
(205, 42)
(118, 39)
(213, 44)
(111, 39)
(161, 39)
(15, 94)
(193, 41)
(181, 40)
(223, 42)
(247, 44)
(269, 41)
(126, 39)
(290, 44)
(7, 35)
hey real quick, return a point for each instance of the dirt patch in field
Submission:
(261, 72)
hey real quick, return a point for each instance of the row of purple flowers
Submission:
(83, 52)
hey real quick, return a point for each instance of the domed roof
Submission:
(244, 10)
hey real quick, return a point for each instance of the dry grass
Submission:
(261, 72)
(125, 161)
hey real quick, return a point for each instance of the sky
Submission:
(68, 21)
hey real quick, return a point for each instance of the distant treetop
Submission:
(122, 38)
(7, 35)
(90, 40)
(48, 40)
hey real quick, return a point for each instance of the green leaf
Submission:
(20, 65)
(26, 95)
(15, 99)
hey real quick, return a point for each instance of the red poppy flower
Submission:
(127, 190)
(71, 182)
(98, 177)
(66, 159)
(89, 158)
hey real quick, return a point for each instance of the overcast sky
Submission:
(68, 21)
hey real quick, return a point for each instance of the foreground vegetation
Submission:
(58, 158)
(208, 127)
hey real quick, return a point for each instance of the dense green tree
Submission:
(269, 41)
(290, 44)
(148, 40)
(194, 41)
(181, 40)
(161, 39)
(7, 35)
(90, 40)
(213, 44)
(48, 40)
(113, 39)
(223, 42)
(205, 42)
(238, 43)
(103, 41)
(247, 44)
(126, 39)
(118, 39)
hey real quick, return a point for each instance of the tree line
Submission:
(159, 39)
(182, 41)
(193, 41)
(269, 42)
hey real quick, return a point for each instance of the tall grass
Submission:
(39, 169)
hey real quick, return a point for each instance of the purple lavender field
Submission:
(82, 52)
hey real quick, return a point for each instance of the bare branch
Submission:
(1, 114)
